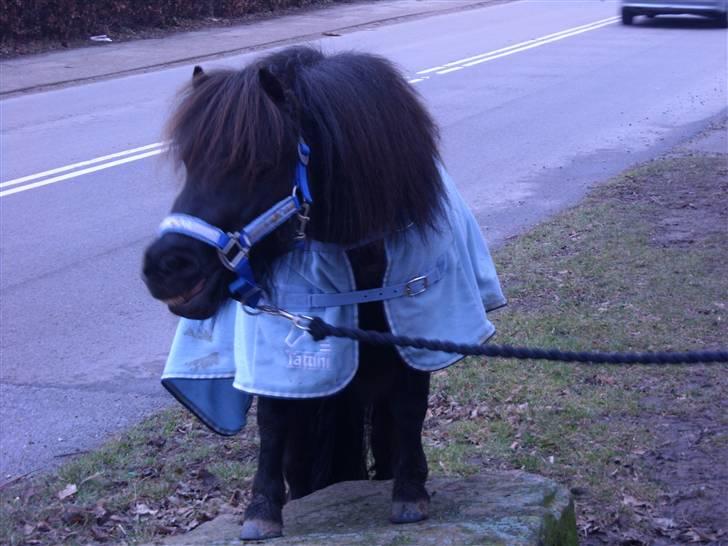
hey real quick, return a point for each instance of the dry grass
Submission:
(639, 265)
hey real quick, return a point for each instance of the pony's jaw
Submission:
(191, 282)
(187, 296)
(203, 300)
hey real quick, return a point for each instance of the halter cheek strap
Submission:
(233, 247)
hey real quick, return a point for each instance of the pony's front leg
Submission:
(264, 514)
(408, 403)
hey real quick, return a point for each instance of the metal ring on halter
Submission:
(234, 244)
(252, 311)
(259, 309)
(294, 193)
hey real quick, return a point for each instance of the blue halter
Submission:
(233, 248)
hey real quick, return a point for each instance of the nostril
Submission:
(163, 263)
(177, 264)
(174, 263)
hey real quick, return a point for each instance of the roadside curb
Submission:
(46, 71)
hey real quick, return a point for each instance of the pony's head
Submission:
(373, 167)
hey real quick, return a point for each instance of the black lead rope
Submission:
(320, 330)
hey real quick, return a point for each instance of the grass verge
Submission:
(640, 264)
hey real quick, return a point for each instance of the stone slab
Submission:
(499, 508)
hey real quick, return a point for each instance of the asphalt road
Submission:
(537, 101)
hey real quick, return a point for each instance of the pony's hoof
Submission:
(409, 512)
(258, 529)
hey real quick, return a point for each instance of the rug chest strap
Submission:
(411, 288)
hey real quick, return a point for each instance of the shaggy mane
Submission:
(374, 153)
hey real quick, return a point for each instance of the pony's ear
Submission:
(272, 86)
(198, 75)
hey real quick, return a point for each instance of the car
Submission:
(716, 9)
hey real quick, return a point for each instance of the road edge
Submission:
(213, 55)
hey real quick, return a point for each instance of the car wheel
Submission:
(627, 17)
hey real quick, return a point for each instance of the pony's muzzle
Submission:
(170, 267)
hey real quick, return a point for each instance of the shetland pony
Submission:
(373, 171)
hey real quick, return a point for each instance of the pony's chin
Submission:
(202, 301)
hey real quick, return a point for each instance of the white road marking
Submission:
(448, 70)
(74, 174)
(525, 48)
(534, 42)
(16, 181)
(159, 147)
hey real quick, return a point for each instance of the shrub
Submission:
(22, 20)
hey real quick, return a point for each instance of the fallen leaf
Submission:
(236, 498)
(165, 529)
(91, 477)
(68, 491)
(698, 535)
(157, 442)
(143, 510)
(101, 513)
(99, 533)
(629, 500)
(208, 478)
(73, 515)
(205, 516)
(191, 525)
(664, 523)
(691, 536)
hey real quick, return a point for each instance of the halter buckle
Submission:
(303, 219)
(412, 288)
(241, 252)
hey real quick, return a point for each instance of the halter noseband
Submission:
(233, 247)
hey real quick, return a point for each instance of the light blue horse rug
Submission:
(439, 285)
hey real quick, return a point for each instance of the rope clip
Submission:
(302, 322)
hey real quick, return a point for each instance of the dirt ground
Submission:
(690, 460)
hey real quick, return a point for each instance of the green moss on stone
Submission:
(562, 531)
